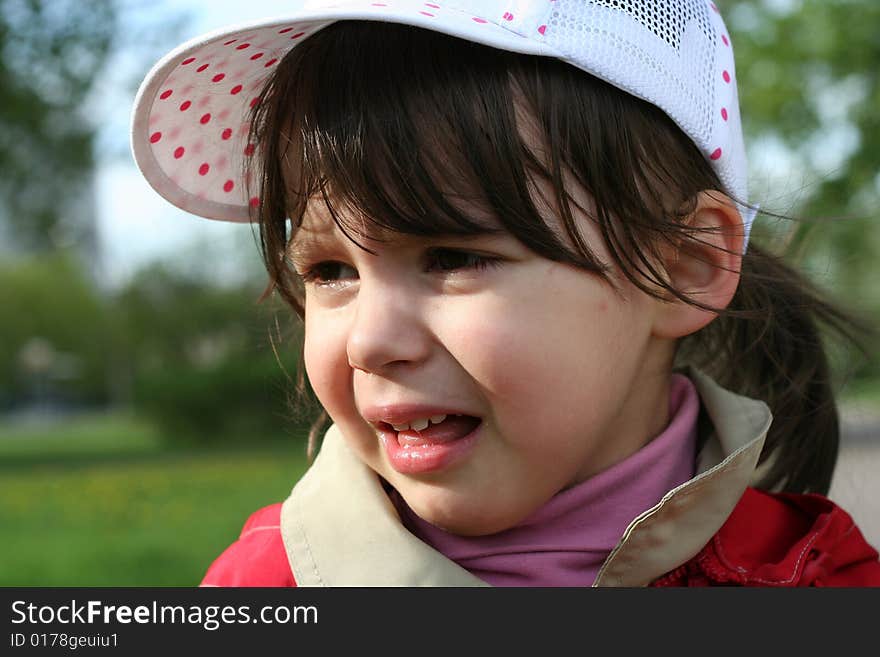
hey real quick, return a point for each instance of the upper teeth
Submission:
(420, 424)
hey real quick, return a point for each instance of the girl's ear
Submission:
(706, 270)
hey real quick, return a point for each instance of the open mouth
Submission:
(445, 430)
(432, 448)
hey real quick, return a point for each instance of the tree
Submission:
(51, 55)
(809, 78)
(207, 362)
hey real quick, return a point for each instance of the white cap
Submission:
(189, 130)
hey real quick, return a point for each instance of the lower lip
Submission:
(427, 458)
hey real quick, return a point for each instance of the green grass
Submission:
(107, 506)
(87, 437)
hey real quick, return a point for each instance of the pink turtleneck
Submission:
(565, 542)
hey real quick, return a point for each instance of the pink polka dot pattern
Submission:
(198, 154)
(222, 79)
(726, 76)
(716, 154)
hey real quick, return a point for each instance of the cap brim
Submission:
(189, 123)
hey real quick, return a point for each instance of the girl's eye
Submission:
(326, 273)
(330, 273)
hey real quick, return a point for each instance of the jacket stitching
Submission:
(614, 571)
(762, 580)
(256, 529)
(305, 538)
(682, 497)
(847, 532)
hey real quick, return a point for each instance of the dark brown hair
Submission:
(396, 123)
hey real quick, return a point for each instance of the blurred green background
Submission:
(143, 407)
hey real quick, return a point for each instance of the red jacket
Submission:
(770, 539)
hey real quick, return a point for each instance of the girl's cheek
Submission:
(495, 351)
(326, 363)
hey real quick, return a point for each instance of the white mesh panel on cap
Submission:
(613, 44)
(665, 18)
(668, 52)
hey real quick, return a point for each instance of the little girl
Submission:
(516, 232)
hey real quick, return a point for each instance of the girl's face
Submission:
(565, 376)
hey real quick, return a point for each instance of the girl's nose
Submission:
(387, 329)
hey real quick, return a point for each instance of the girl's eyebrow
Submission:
(303, 249)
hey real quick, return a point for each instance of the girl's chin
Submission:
(456, 514)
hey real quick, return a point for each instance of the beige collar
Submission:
(340, 529)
